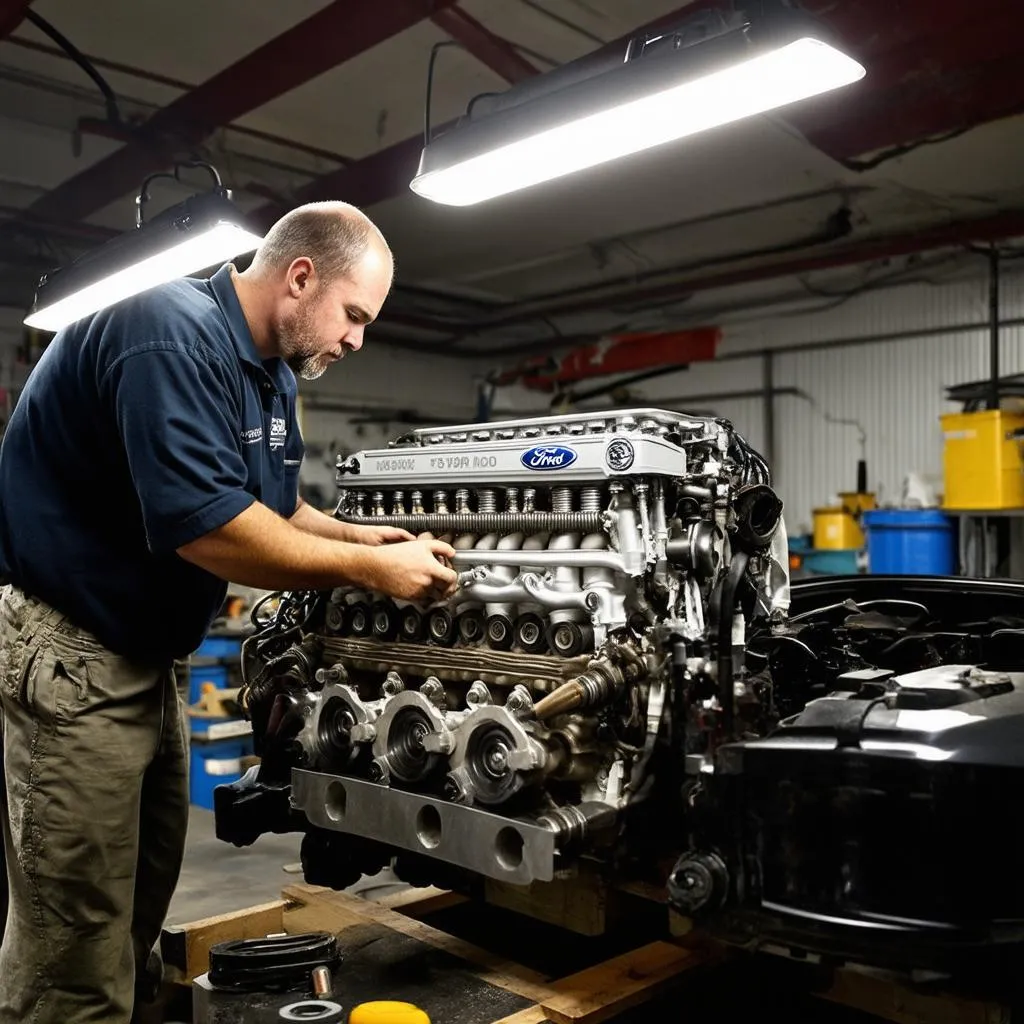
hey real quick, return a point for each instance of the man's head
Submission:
(323, 272)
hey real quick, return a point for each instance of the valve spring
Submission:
(360, 503)
(590, 499)
(417, 503)
(462, 500)
(561, 499)
(398, 503)
(512, 499)
(378, 503)
(487, 501)
(441, 502)
(529, 498)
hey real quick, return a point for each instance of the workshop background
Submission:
(821, 276)
(840, 246)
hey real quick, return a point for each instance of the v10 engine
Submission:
(609, 563)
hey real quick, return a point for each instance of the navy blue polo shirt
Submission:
(140, 429)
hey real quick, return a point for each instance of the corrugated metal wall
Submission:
(894, 389)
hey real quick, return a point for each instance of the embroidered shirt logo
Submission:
(252, 436)
(278, 433)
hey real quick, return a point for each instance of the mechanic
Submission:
(153, 457)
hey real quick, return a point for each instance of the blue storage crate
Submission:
(219, 647)
(199, 675)
(214, 763)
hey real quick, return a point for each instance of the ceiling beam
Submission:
(491, 50)
(943, 68)
(387, 173)
(994, 228)
(12, 13)
(337, 33)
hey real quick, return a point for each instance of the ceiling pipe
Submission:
(994, 228)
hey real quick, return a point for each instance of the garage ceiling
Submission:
(316, 99)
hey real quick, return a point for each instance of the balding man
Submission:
(153, 455)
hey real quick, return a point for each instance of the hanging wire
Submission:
(434, 50)
(113, 111)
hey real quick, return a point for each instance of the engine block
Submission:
(609, 565)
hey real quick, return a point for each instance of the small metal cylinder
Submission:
(487, 501)
(461, 500)
(378, 503)
(561, 499)
(590, 499)
(323, 986)
(529, 498)
(398, 503)
(417, 503)
(512, 499)
(441, 502)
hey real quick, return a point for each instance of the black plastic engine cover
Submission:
(871, 856)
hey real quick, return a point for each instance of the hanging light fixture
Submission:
(714, 69)
(204, 230)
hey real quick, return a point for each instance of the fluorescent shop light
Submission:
(641, 103)
(201, 232)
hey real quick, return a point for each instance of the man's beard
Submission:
(301, 348)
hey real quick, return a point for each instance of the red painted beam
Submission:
(491, 50)
(12, 13)
(387, 173)
(943, 69)
(333, 35)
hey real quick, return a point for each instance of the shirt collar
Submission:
(224, 293)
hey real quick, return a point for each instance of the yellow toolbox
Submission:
(982, 459)
(836, 529)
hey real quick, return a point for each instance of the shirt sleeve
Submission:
(176, 414)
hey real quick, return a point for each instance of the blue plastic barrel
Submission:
(910, 542)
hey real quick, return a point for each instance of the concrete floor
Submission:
(218, 878)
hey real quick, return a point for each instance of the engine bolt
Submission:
(392, 684)
(377, 772)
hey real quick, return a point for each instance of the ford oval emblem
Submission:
(548, 456)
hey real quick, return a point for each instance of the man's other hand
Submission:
(376, 535)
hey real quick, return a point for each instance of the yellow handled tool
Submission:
(387, 1013)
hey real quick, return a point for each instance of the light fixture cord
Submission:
(434, 50)
(113, 111)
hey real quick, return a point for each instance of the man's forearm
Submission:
(260, 549)
(312, 520)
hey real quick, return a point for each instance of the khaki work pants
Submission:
(95, 765)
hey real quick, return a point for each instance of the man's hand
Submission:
(414, 570)
(376, 535)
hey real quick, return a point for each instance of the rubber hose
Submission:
(726, 697)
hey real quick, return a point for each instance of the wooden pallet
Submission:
(412, 959)
(398, 948)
